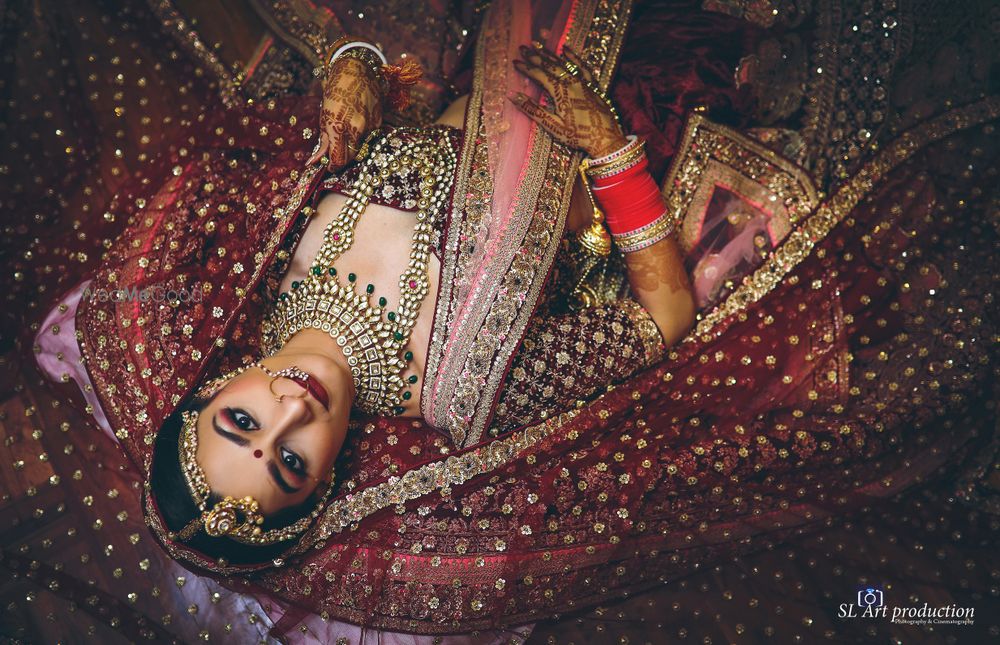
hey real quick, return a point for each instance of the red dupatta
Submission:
(769, 418)
(667, 472)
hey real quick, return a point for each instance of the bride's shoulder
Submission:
(454, 114)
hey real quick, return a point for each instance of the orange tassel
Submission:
(400, 78)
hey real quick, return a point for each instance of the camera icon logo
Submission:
(870, 597)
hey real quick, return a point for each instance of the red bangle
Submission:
(630, 200)
(633, 208)
(601, 183)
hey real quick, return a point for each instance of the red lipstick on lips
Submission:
(314, 387)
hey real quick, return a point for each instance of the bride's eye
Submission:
(241, 419)
(293, 461)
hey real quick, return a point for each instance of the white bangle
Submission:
(359, 43)
(600, 161)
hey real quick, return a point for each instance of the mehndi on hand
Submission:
(581, 117)
(352, 107)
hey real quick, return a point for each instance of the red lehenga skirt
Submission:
(848, 372)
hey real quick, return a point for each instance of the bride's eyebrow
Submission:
(279, 480)
(239, 441)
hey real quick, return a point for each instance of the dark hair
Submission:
(170, 490)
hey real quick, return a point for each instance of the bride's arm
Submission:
(660, 284)
(358, 85)
(630, 199)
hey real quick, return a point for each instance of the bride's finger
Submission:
(548, 121)
(557, 64)
(324, 143)
(542, 58)
(334, 131)
(537, 74)
(585, 70)
(338, 154)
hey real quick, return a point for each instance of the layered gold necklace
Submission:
(373, 339)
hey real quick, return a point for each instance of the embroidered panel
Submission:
(491, 279)
(736, 201)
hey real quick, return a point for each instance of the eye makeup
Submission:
(290, 460)
(238, 419)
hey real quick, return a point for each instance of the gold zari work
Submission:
(712, 155)
(435, 476)
(800, 242)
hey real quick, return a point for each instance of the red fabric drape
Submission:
(737, 457)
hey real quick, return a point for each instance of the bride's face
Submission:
(277, 452)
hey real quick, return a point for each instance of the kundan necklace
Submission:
(373, 340)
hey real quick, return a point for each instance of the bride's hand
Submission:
(352, 107)
(581, 118)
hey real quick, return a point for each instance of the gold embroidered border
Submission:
(472, 367)
(600, 40)
(503, 324)
(800, 242)
(779, 223)
(460, 395)
(471, 200)
(453, 471)
(301, 25)
(711, 152)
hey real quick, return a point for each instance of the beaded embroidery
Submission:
(372, 339)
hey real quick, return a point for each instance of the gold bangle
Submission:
(618, 164)
(646, 236)
(633, 142)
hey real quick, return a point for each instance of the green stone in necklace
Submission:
(373, 341)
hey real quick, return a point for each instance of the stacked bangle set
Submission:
(368, 54)
(631, 201)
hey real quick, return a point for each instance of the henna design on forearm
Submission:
(659, 264)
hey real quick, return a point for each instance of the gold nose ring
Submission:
(288, 373)
(270, 386)
(279, 397)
